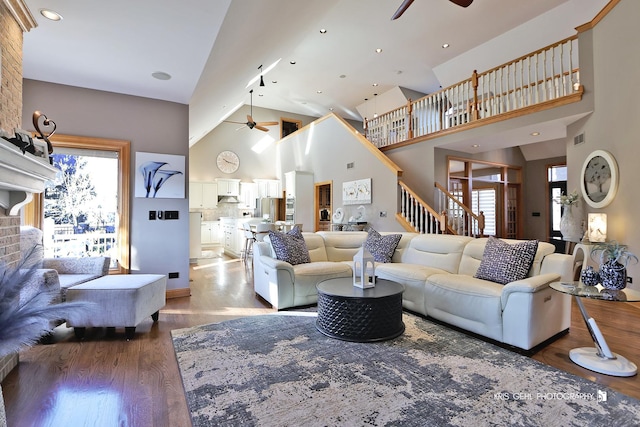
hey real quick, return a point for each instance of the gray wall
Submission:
(151, 126)
(612, 63)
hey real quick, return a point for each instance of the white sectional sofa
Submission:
(437, 272)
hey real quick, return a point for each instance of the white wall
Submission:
(151, 126)
(325, 148)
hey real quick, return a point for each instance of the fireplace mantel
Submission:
(21, 175)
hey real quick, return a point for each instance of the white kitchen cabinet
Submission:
(210, 232)
(248, 195)
(203, 195)
(228, 187)
(268, 188)
(230, 236)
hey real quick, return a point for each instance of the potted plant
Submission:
(26, 310)
(613, 258)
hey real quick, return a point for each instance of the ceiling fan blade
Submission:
(250, 119)
(462, 3)
(262, 128)
(238, 123)
(267, 123)
(404, 6)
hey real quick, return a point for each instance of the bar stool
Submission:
(249, 238)
(262, 229)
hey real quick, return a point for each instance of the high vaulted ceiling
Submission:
(212, 49)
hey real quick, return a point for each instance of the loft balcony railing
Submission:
(541, 77)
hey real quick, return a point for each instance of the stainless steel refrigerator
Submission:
(271, 206)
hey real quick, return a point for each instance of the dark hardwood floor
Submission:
(107, 381)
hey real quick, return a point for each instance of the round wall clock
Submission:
(599, 179)
(228, 161)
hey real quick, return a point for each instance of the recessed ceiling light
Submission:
(323, 31)
(161, 75)
(292, 62)
(50, 14)
(378, 50)
(342, 76)
(535, 133)
(274, 81)
(318, 91)
(446, 45)
(475, 146)
(375, 84)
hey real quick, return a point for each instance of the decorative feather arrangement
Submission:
(23, 323)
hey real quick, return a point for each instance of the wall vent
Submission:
(350, 165)
(579, 139)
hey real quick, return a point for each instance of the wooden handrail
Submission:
(477, 219)
(456, 201)
(547, 74)
(419, 199)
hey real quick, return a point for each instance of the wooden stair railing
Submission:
(417, 216)
(461, 219)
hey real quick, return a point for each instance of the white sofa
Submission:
(437, 272)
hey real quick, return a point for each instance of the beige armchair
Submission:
(69, 271)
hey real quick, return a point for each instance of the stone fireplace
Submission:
(21, 175)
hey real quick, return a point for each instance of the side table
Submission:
(599, 358)
(349, 313)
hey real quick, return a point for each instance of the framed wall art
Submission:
(159, 176)
(599, 179)
(356, 192)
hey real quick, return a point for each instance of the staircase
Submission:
(454, 217)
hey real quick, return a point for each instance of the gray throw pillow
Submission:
(290, 246)
(381, 247)
(505, 263)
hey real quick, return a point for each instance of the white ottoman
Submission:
(120, 301)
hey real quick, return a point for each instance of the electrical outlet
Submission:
(629, 279)
(383, 214)
(152, 215)
(174, 275)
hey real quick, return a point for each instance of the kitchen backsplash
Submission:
(224, 210)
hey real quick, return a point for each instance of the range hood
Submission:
(228, 199)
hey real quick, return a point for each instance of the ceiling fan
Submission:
(406, 3)
(252, 123)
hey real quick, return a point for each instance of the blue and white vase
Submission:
(613, 275)
(590, 277)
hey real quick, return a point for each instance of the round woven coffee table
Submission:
(349, 313)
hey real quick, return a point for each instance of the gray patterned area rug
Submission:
(279, 370)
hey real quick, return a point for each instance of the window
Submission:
(484, 200)
(86, 208)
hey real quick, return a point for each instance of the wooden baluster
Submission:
(474, 85)
(443, 222)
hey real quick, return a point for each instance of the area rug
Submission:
(278, 370)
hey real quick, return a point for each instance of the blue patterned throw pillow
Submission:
(381, 247)
(290, 246)
(504, 263)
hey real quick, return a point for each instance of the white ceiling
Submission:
(213, 48)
